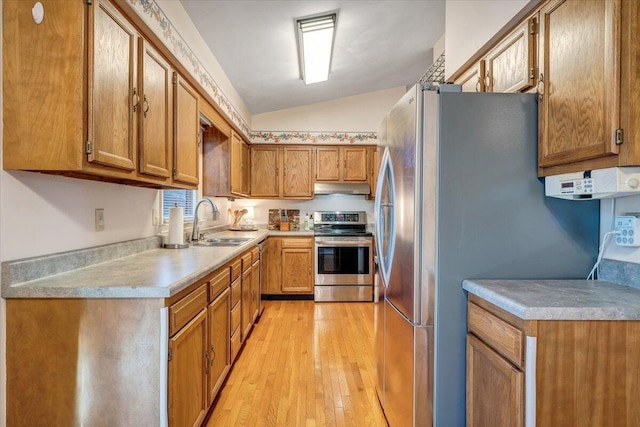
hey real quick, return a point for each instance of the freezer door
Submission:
(385, 218)
(402, 143)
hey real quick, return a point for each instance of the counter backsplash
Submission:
(620, 272)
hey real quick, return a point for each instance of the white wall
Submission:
(623, 205)
(469, 24)
(319, 203)
(183, 23)
(358, 113)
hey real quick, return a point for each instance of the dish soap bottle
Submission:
(310, 222)
(306, 222)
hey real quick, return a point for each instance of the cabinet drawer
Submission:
(236, 292)
(219, 283)
(503, 337)
(184, 310)
(235, 318)
(255, 254)
(246, 261)
(235, 344)
(236, 268)
(297, 242)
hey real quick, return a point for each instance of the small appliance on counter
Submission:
(343, 257)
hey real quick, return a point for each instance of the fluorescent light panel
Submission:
(315, 40)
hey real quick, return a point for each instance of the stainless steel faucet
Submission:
(214, 209)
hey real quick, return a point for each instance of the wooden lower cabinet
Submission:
(288, 265)
(255, 290)
(584, 372)
(246, 302)
(495, 388)
(219, 326)
(187, 388)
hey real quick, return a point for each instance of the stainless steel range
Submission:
(343, 257)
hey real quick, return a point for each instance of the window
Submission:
(184, 198)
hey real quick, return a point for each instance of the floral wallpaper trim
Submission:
(160, 23)
(297, 137)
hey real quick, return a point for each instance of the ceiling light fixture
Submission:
(315, 43)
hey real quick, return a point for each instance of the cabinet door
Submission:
(510, 66)
(297, 172)
(186, 129)
(473, 79)
(272, 265)
(245, 302)
(236, 164)
(495, 388)
(264, 172)
(354, 161)
(255, 290)
(187, 364)
(154, 112)
(580, 82)
(297, 269)
(219, 350)
(246, 169)
(112, 94)
(327, 163)
(374, 167)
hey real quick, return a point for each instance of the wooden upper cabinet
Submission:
(473, 79)
(354, 161)
(327, 164)
(374, 167)
(341, 164)
(511, 65)
(113, 95)
(580, 80)
(297, 179)
(239, 166)
(155, 113)
(265, 171)
(186, 132)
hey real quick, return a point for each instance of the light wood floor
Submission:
(305, 364)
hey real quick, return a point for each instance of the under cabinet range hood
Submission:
(341, 188)
(594, 184)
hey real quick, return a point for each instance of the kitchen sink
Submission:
(222, 241)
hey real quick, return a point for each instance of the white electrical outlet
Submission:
(628, 230)
(99, 219)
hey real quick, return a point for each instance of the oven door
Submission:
(343, 261)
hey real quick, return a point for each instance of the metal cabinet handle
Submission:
(214, 355)
(135, 99)
(145, 106)
(206, 369)
(487, 81)
(540, 86)
(478, 87)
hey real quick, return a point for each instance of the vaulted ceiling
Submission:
(378, 45)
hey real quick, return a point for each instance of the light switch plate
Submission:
(99, 219)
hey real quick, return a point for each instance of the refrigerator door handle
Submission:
(385, 238)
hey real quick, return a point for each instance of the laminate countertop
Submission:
(559, 299)
(155, 273)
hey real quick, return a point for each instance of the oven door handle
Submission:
(358, 243)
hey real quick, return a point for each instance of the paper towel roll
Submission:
(176, 226)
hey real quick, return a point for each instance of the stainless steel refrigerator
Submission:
(458, 197)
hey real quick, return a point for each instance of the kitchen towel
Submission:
(176, 226)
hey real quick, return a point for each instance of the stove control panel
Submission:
(340, 217)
